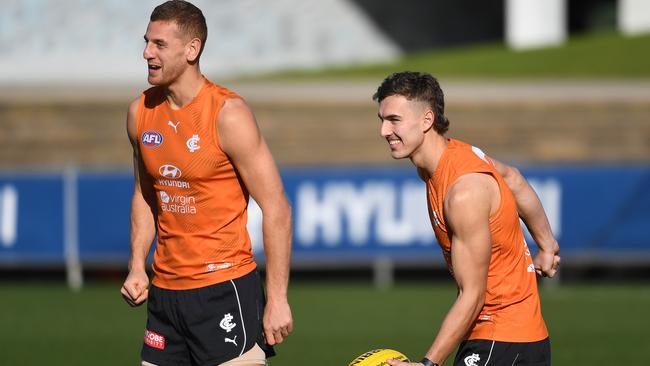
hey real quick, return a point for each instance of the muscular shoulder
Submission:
(472, 190)
(467, 186)
(237, 127)
(234, 110)
(131, 123)
(133, 106)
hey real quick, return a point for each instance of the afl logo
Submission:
(169, 171)
(152, 139)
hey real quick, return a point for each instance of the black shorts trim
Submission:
(484, 352)
(241, 317)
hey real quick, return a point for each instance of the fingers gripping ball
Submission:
(378, 357)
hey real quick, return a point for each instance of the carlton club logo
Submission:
(152, 139)
(226, 323)
(169, 171)
(193, 143)
(472, 359)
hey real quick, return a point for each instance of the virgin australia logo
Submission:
(164, 197)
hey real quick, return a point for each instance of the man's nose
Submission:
(146, 53)
(385, 129)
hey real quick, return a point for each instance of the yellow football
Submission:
(378, 357)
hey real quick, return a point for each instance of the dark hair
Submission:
(188, 18)
(419, 86)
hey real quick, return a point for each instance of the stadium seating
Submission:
(307, 124)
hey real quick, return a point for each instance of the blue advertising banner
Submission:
(104, 206)
(602, 210)
(351, 214)
(31, 219)
(358, 214)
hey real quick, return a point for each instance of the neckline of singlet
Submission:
(206, 82)
(443, 159)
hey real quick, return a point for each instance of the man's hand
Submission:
(135, 289)
(278, 322)
(547, 262)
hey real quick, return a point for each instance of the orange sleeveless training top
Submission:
(201, 203)
(511, 312)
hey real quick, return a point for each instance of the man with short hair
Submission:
(474, 206)
(197, 154)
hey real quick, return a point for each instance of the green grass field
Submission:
(45, 324)
(600, 55)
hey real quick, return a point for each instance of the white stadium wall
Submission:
(83, 41)
(535, 23)
(634, 16)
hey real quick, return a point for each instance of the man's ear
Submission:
(428, 119)
(193, 49)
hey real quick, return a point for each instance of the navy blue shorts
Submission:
(480, 352)
(205, 326)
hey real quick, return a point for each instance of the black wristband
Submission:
(427, 362)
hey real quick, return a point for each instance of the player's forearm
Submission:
(454, 327)
(540, 229)
(530, 209)
(532, 213)
(143, 232)
(139, 251)
(276, 227)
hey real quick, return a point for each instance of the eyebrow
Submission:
(156, 41)
(390, 116)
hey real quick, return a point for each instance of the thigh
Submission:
(163, 343)
(223, 321)
(254, 356)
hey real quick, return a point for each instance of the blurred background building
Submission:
(82, 41)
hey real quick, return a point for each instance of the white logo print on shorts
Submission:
(472, 359)
(233, 341)
(226, 323)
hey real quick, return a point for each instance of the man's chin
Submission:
(155, 81)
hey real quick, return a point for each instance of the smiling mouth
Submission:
(393, 143)
(154, 67)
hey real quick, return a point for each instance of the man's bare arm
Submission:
(241, 139)
(533, 215)
(468, 205)
(136, 286)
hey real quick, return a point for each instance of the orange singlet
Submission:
(201, 203)
(511, 312)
